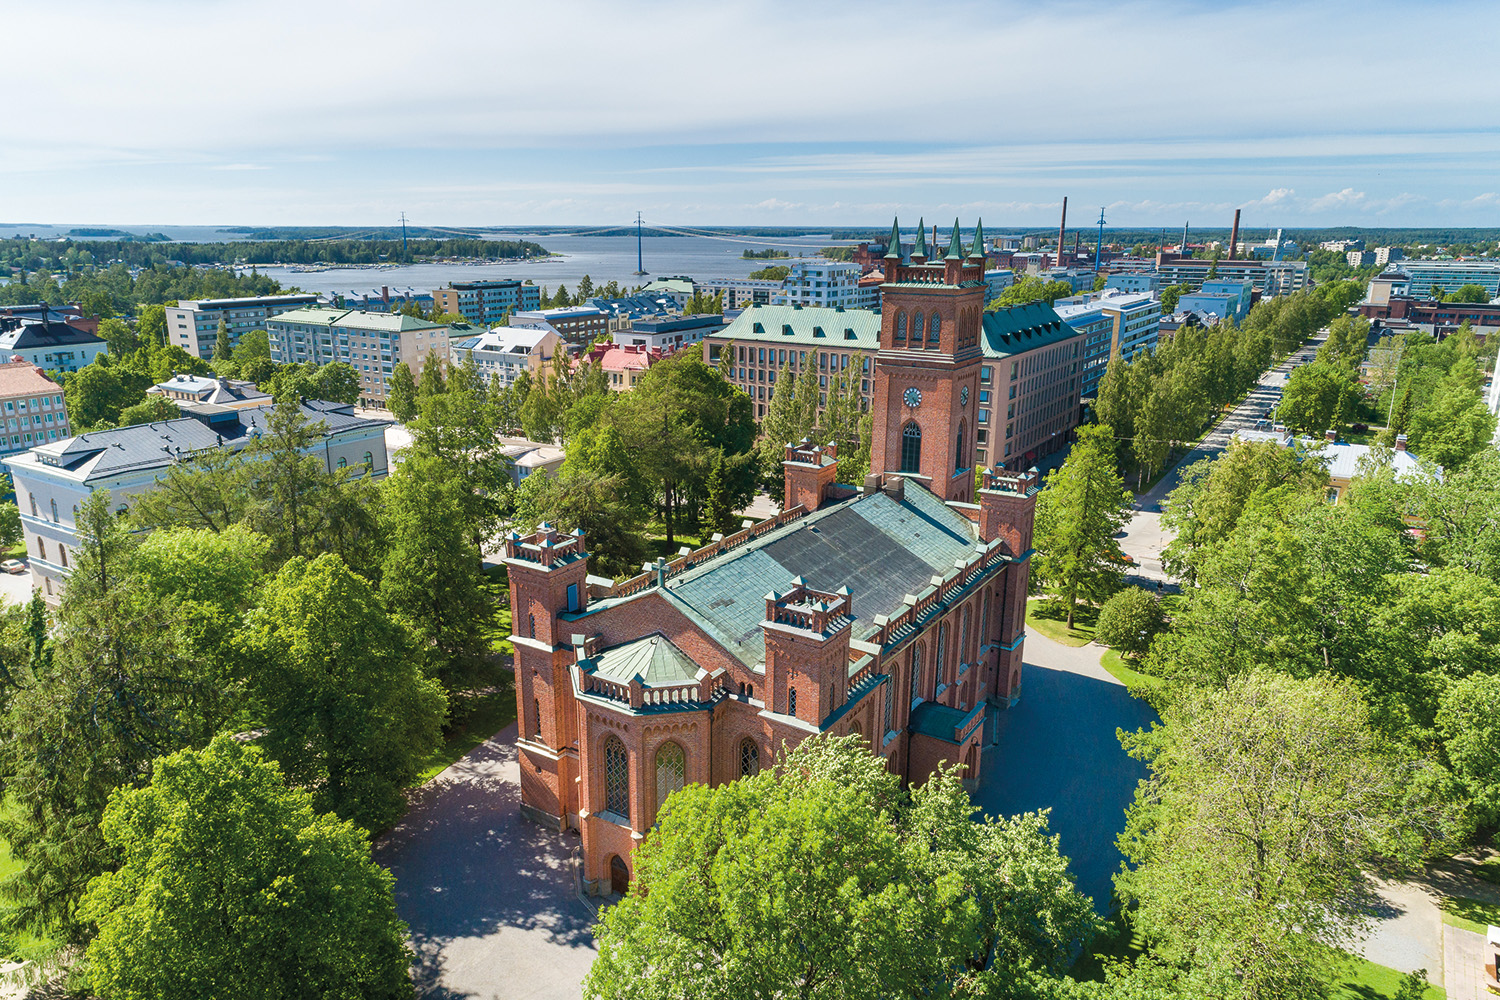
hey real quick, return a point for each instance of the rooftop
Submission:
(653, 659)
(33, 336)
(1023, 328)
(22, 378)
(814, 326)
(248, 300)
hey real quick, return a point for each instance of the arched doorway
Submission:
(619, 875)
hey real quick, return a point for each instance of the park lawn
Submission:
(489, 714)
(1364, 980)
(1469, 914)
(1050, 618)
(1489, 870)
(27, 945)
(658, 546)
(1121, 669)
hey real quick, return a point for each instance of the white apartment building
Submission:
(826, 283)
(31, 408)
(503, 353)
(373, 343)
(193, 325)
(49, 345)
(54, 479)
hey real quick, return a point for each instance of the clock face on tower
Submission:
(963, 396)
(913, 397)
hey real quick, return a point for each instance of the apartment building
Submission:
(820, 282)
(671, 334)
(372, 343)
(767, 339)
(1097, 329)
(739, 293)
(1218, 301)
(31, 408)
(624, 366)
(575, 324)
(53, 480)
(487, 303)
(193, 325)
(502, 354)
(49, 345)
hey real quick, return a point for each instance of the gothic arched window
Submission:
(916, 674)
(901, 326)
(984, 621)
(916, 328)
(911, 448)
(671, 771)
(936, 329)
(960, 459)
(616, 778)
(942, 658)
(749, 758)
(963, 636)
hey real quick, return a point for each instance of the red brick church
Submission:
(893, 609)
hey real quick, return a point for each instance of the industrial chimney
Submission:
(1062, 227)
(1234, 234)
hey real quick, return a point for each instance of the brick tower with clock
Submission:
(927, 369)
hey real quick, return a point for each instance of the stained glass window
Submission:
(616, 777)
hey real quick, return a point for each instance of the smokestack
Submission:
(1234, 234)
(1184, 239)
(1062, 227)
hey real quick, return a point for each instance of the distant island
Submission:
(119, 234)
(764, 254)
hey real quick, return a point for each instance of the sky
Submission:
(575, 112)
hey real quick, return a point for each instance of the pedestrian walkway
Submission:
(1464, 957)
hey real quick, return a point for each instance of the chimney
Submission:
(895, 488)
(1062, 227)
(1331, 436)
(1400, 442)
(1234, 234)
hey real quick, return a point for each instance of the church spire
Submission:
(977, 250)
(955, 245)
(920, 250)
(893, 247)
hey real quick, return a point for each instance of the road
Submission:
(1144, 537)
(15, 588)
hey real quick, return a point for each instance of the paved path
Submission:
(1057, 749)
(489, 897)
(1407, 931)
(1464, 958)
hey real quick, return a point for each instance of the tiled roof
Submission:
(880, 548)
(812, 326)
(22, 378)
(1023, 328)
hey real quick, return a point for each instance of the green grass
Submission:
(1121, 669)
(1364, 980)
(487, 715)
(1115, 942)
(659, 547)
(27, 945)
(1489, 870)
(1469, 914)
(1050, 618)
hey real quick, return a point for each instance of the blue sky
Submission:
(564, 112)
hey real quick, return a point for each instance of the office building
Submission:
(670, 334)
(373, 343)
(1267, 277)
(487, 303)
(54, 479)
(1133, 282)
(575, 324)
(768, 339)
(193, 325)
(1451, 275)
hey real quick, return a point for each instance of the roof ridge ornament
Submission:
(955, 245)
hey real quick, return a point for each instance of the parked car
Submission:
(13, 566)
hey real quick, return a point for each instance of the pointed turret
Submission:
(920, 250)
(977, 250)
(893, 246)
(955, 245)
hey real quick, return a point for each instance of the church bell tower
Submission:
(927, 368)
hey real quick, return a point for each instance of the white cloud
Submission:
(1347, 198)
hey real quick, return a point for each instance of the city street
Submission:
(15, 588)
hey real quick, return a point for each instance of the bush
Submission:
(1129, 621)
(1359, 428)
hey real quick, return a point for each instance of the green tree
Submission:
(1461, 511)
(771, 272)
(820, 878)
(1031, 289)
(151, 325)
(1169, 297)
(1319, 396)
(1129, 620)
(1266, 802)
(718, 516)
(119, 338)
(1078, 512)
(726, 360)
(401, 397)
(336, 382)
(96, 394)
(149, 410)
(10, 524)
(596, 500)
(349, 714)
(223, 349)
(230, 885)
(1455, 424)
(206, 490)
(290, 490)
(254, 344)
(1467, 293)
(432, 576)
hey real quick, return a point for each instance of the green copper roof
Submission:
(921, 248)
(653, 659)
(807, 326)
(955, 245)
(1023, 328)
(977, 250)
(893, 247)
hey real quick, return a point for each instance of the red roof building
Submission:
(624, 364)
